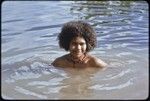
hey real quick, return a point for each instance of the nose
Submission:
(78, 47)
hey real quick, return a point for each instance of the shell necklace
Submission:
(70, 58)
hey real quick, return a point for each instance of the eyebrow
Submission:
(78, 42)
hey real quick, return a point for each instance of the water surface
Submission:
(29, 45)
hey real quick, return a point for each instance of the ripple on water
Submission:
(124, 54)
(24, 75)
(119, 75)
(116, 77)
(54, 89)
(105, 87)
(35, 70)
(28, 92)
(51, 82)
(119, 25)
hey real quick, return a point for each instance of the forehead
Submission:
(78, 40)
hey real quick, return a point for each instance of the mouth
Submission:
(77, 53)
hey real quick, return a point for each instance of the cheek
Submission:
(84, 47)
(72, 47)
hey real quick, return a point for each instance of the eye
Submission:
(73, 43)
(82, 44)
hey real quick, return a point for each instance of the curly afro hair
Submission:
(74, 29)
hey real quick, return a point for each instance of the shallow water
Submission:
(29, 45)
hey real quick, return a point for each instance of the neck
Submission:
(76, 57)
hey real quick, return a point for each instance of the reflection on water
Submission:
(77, 84)
(29, 45)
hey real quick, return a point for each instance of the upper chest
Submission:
(66, 63)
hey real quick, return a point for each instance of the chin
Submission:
(78, 55)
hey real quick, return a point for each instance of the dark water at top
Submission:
(29, 45)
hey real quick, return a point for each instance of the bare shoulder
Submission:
(58, 61)
(96, 62)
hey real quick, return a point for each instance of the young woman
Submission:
(78, 38)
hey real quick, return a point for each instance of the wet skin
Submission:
(77, 49)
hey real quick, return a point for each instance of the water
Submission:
(29, 45)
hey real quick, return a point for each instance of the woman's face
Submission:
(77, 47)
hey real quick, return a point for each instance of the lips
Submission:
(77, 52)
